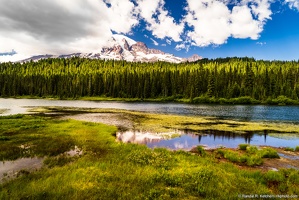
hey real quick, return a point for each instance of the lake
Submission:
(289, 114)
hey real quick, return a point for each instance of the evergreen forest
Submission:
(226, 80)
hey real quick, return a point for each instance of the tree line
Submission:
(206, 79)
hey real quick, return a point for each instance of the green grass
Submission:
(250, 155)
(110, 170)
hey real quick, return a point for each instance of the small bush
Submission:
(252, 149)
(269, 153)
(220, 153)
(254, 161)
(232, 156)
(297, 148)
(281, 100)
(243, 146)
(244, 100)
(289, 149)
(204, 99)
(201, 151)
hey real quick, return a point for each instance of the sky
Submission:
(262, 29)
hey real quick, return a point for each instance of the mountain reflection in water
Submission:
(209, 138)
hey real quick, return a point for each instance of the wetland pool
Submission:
(209, 139)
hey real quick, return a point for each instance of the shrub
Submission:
(220, 153)
(201, 151)
(254, 160)
(281, 100)
(252, 149)
(232, 156)
(244, 100)
(204, 99)
(243, 146)
(297, 148)
(269, 153)
(289, 149)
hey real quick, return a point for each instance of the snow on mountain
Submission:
(119, 39)
(121, 47)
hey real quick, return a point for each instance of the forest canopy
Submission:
(228, 80)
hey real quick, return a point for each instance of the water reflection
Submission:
(10, 169)
(137, 137)
(208, 138)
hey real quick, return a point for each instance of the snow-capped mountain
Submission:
(124, 48)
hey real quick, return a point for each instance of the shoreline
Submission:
(243, 100)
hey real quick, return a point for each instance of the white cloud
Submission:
(69, 26)
(293, 4)
(55, 27)
(210, 21)
(213, 22)
(181, 46)
(242, 23)
(158, 20)
(154, 42)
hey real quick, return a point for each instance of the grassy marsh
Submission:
(161, 123)
(110, 170)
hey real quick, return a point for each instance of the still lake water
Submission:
(289, 114)
(275, 114)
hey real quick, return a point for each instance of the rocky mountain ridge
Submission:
(123, 48)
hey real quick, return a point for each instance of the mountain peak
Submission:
(121, 47)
